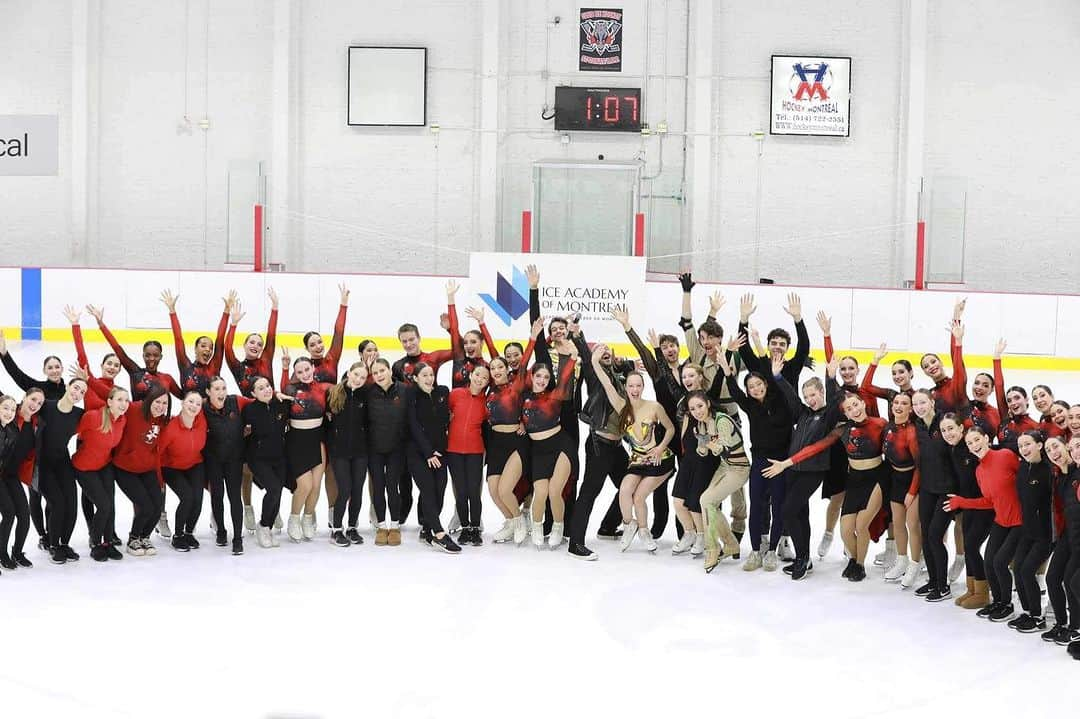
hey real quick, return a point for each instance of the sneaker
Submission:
(505, 533)
(308, 527)
(1031, 625)
(135, 547)
(21, 559)
(477, 536)
(1068, 637)
(112, 552)
(237, 546)
(645, 537)
(56, 556)
(221, 539)
(699, 546)
(989, 609)
(114, 540)
(338, 539)
(800, 568)
(957, 568)
(249, 519)
(885, 559)
(1054, 632)
(770, 561)
(521, 528)
(629, 531)
(262, 536)
(555, 539)
(293, 530)
(685, 544)
(823, 546)
(179, 544)
(448, 545)
(538, 535)
(43, 545)
(752, 562)
(939, 595)
(148, 548)
(69, 554)
(617, 534)
(712, 558)
(425, 536)
(858, 573)
(1013, 622)
(1003, 613)
(847, 570)
(911, 573)
(163, 527)
(1074, 649)
(353, 536)
(191, 541)
(897, 570)
(924, 590)
(785, 551)
(99, 554)
(580, 551)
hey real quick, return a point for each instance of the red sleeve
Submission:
(438, 358)
(457, 342)
(230, 355)
(80, 347)
(566, 377)
(999, 391)
(242, 401)
(127, 363)
(339, 335)
(91, 419)
(493, 352)
(182, 361)
(99, 392)
(170, 384)
(958, 502)
(959, 375)
(270, 344)
(867, 384)
(219, 344)
(828, 349)
(913, 442)
(284, 375)
(812, 450)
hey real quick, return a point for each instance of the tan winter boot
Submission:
(966, 595)
(981, 596)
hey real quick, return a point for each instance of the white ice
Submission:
(310, 630)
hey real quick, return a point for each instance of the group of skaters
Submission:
(973, 457)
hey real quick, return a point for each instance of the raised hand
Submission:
(957, 330)
(476, 314)
(452, 288)
(77, 372)
(444, 321)
(999, 348)
(755, 337)
(72, 314)
(285, 355)
(98, 313)
(746, 307)
(598, 351)
(833, 366)
(537, 328)
(344, 294)
(230, 299)
(686, 281)
(654, 339)
(794, 307)
(777, 365)
(825, 323)
(958, 308)
(533, 275)
(236, 314)
(169, 300)
(622, 317)
(716, 303)
(273, 297)
(736, 342)
(880, 354)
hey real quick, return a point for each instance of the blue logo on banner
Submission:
(511, 298)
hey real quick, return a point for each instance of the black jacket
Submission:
(597, 408)
(387, 417)
(347, 434)
(963, 465)
(811, 425)
(8, 437)
(1036, 493)
(770, 421)
(224, 431)
(936, 471)
(268, 424)
(429, 420)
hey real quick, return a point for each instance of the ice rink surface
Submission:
(310, 630)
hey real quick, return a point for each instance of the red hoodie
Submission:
(468, 412)
(138, 449)
(95, 447)
(180, 447)
(996, 475)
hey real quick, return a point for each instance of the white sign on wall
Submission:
(591, 285)
(29, 145)
(810, 96)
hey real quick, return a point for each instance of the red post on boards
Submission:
(639, 234)
(258, 238)
(920, 255)
(526, 231)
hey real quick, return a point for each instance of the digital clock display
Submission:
(591, 108)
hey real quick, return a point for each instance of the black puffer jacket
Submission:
(387, 417)
(811, 425)
(347, 435)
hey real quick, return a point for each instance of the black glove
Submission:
(686, 281)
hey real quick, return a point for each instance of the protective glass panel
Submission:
(246, 185)
(584, 209)
(945, 211)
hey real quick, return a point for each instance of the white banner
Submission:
(569, 284)
(810, 96)
(29, 145)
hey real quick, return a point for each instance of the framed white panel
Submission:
(879, 316)
(387, 86)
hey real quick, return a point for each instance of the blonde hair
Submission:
(337, 393)
(106, 415)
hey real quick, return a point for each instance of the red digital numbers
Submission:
(610, 109)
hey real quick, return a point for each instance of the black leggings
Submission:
(14, 511)
(467, 473)
(1000, 550)
(603, 458)
(1071, 578)
(386, 470)
(432, 485)
(796, 511)
(934, 521)
(188, 486)
(1030, 555)
(57, 480)
(270, 475)
(100, 487)
(977, 523)
(37, 514)
(350, 473)
(226, 476)
(145, 494)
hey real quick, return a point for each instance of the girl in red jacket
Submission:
(465, 451)
(99, 431)
(136, 465)
(180, 448)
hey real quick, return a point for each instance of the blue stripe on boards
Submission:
(31, 303)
